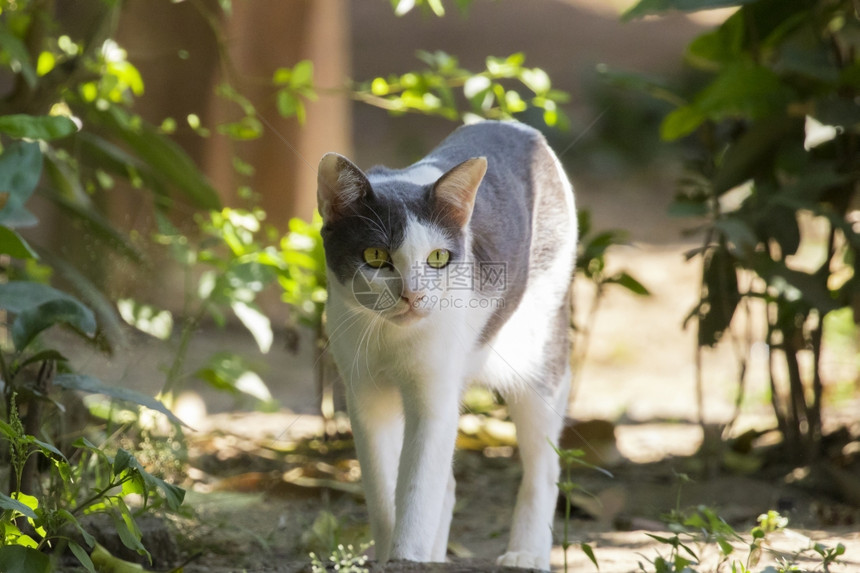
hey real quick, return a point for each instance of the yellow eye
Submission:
(438, 258)
(376, 257)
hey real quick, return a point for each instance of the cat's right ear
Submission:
(339, 184)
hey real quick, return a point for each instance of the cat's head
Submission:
(393, 244)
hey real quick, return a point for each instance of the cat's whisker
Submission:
(353, 316)
(376, 224)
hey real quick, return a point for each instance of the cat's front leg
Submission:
(376, 417)
(431, 414)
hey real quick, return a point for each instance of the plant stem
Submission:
(98, 495)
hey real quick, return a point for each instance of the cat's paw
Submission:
(524, 560)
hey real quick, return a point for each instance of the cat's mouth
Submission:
(406, 314)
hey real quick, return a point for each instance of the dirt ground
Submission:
(265, 490)
(638, 374)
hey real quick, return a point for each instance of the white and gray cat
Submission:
(455, 270)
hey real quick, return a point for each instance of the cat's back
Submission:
(505, 144)
(524, 207)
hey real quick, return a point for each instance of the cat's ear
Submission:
(339, 184)
(454, 192)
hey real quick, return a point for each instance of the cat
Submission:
(452, 271)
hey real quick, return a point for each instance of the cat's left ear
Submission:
(339, 184)
(454, 192)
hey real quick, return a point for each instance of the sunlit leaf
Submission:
(89, 384)
(627, 281)
(302, 74)
(536, 80)
(7, 502)
(649, 7)
(245, 129)
(256, 322)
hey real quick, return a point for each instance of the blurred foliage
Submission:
(774, 137)
(447, 90)
(437, 7)
(87, 482)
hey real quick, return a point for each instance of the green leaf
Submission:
(721, 299)
(687, 207)
(779, 222)
(650, 7)
(256, 322)
(83, 557)
(627, 281)
(712, 50)
(812, 287)
(91, 295)
(127, 529)
(233, 373)
(121, 461)
(752, 151)
(302, 74)
(680, 122)
(806, 54)
(173, 495)
(536, 80)
(7, 502)
(744, 89)
(162, 155)
(725, 547)
(741, 90)
(12, 244)
(20, 559)
(48, 449)
(18, 296)
(42, 356)
(88, 384)
(71, 519)
(247, 128)
(81, 211)
(31, 321)
(98, 151)
(634, 81)
(665, 540)
(45, 127)
(589, 552)
(20, 171)
(19, 55)
(740, 237)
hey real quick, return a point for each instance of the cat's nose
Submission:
(411, 298)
